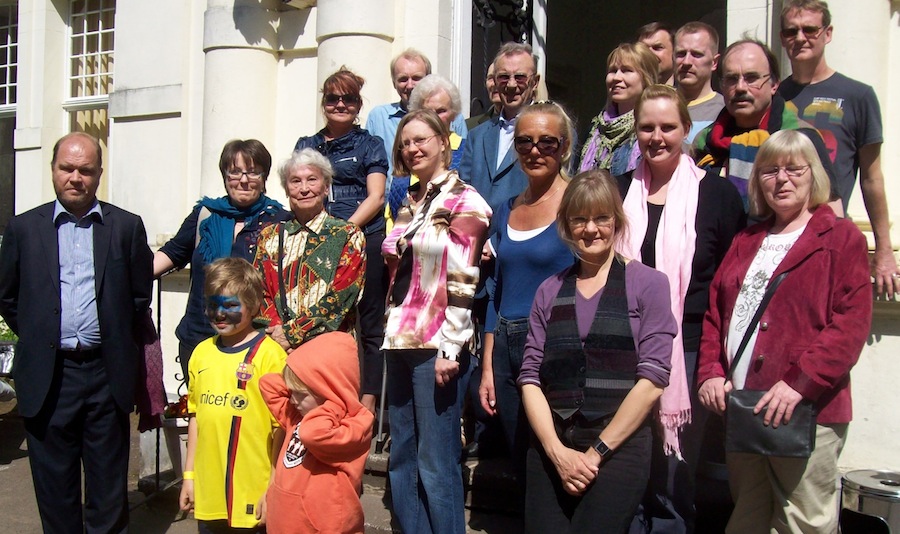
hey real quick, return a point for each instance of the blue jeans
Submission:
(424, 468)
(509, 348)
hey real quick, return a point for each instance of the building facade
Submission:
(166, 83)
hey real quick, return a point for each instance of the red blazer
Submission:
(817, 322)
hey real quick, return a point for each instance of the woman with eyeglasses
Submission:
(357, 195)
(597, 358)
(527, 250)
(432, 254)
(682, 222)
(630, 68)
(804, 344)
(218, 228)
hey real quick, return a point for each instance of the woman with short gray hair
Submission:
(313, 265)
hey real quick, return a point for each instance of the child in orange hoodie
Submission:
(318, 475)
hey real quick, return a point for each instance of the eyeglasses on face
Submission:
(792, 171)
(235, 175)
(545, 144)
(417, 142)
(811, 32)
(754, 80)
(332, 99)
(520, 77)
(600, 221)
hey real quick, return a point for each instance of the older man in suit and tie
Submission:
(489, 162)
(75, 274)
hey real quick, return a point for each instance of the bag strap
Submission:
(282, 290)
(753, 322)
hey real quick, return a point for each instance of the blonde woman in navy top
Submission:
(528, 249)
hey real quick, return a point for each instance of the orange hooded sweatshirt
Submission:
(318, 475)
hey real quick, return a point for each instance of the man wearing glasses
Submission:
(847, 114)
(753, 111)
(489, 162)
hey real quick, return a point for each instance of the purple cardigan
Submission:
(649, 311)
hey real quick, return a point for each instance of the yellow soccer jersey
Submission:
(233, 462)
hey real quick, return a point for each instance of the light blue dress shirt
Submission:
(80, 324)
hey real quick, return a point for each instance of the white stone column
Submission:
(240, 78)
(358, 35)
(40, 119)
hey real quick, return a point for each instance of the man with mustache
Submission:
(696, 58)
(849, 117)
(753, 111)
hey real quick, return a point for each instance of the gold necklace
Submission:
(542, 199)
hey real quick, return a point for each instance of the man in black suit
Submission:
(75, 274)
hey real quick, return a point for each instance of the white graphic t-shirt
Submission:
(773, 249)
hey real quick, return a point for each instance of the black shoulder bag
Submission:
(745, 432)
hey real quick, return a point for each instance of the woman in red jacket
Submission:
(806, 342)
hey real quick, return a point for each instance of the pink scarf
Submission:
(676, 240)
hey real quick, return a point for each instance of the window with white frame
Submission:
(9, 62)
(92, 41)
(9, 52)
(90, 69)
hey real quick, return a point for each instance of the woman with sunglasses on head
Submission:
(357, 195)
(527, 248)
(682, 222)
(600, 337)
(630, 68)
(432, 254)
(218, 228)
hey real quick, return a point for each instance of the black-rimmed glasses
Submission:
(235, 175)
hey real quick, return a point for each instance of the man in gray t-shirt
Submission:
(696, 58)
(847, 114)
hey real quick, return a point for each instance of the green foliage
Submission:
(6, 333)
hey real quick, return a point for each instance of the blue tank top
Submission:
(522, 266)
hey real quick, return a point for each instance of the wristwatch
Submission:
(602, 449)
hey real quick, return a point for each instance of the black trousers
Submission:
(80, 427)
(607, 506)
(371, 316)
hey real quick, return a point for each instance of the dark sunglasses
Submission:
(811, 32)
(546, 145)
(332, 99)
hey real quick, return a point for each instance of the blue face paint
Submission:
(224, 309)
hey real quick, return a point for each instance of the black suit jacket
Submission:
(30, 299)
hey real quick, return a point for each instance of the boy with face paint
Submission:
(232, 436)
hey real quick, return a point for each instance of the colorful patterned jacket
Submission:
(324, 266)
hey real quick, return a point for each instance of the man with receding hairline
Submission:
(753, 111)
(407, 69)
(849, 117)
(75, 278)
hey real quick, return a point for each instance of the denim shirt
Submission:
(354, 157)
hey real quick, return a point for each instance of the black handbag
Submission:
(745, 431)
